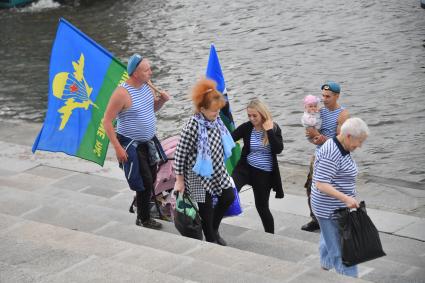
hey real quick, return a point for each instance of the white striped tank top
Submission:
(259, 155)
(138, 122)
(329, 121)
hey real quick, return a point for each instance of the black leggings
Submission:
(261, 182)
(211, 217)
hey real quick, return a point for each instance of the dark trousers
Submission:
(148, 173)
(308, 188)
(261, 182)
(212, 216)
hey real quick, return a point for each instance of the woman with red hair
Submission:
(204, 145)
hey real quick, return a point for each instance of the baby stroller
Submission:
(163, 199)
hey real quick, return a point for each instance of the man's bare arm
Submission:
(119, 101)
(344, 115)
(160, 101)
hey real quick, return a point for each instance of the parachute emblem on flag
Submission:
(73, 89)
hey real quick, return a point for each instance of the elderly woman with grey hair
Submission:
(333, 187)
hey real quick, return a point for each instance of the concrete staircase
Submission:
(61, 226)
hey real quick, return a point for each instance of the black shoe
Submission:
(311, 226)
(220, 240)
(150, 223)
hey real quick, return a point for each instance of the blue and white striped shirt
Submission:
(333, 165)
(260, 156)
(138, 122)
(329, 121)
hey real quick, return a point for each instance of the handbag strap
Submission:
(185, 195)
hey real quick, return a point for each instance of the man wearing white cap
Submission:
(134, 104)
(333, 116)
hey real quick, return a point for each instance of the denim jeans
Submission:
(330, 248)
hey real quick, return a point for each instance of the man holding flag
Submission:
(82, 76)
(133, 104)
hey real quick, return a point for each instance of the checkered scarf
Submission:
(203, 165)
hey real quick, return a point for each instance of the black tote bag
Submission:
(359, 237)
(186, 218)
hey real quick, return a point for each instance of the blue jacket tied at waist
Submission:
(131, 167)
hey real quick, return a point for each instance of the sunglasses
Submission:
(327, 87)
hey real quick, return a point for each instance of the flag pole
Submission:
(154, 88)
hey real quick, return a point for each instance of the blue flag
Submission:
(215, 73)
(82, 77)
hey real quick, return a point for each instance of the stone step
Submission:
(48, 253)
(68, 212)
(12, 273)
(66, 268)
(273, 245)
(59, 250)
(68, 189)
(67, 184)
(47, 209)
(403, 263)
(36, 252)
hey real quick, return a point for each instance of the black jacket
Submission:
(276, 143)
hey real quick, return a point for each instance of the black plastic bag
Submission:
(186, 217)
(359, 237)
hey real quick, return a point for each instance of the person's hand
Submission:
(268, 125)
(164, 96)
(319, 139)
(311, 132)
(121, 154)
(179, 186)
(316, 140)
(351, 202)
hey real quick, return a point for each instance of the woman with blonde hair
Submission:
(258, 165)
(204, 145)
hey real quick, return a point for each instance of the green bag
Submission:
(185, 205)
(186, 218)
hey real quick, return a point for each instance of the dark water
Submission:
(277, 50)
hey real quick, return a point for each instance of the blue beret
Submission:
(332, 86)
(133, 62)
